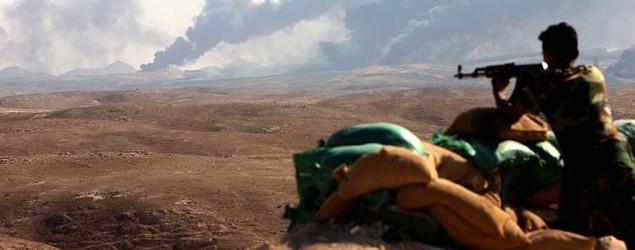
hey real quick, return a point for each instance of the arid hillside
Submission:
(205, 166)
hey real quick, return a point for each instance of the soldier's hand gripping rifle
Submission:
(509, 70)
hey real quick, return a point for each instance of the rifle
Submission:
(520, 72)
(508, 69)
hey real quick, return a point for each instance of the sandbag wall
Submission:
(386, 166)
(314, 168)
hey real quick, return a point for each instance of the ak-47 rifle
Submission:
(508, 69)
(511, 70)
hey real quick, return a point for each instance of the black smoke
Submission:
(233, 21)
(406, 31)
(401, 32)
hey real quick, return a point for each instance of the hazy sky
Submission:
(258, 37)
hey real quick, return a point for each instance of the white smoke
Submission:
(60, 35)
(283, 51)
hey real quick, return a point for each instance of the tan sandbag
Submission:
(529, 221)
(553, 239)
(488, 122)
(512, 213)
(389, 168)
(476, 209)
(474, 179)
(480, 122)
(493, 198)
(471, 237)
(528, 128)
(545, 196)
(456, 168)
(609, 242)
(450, 165)
(334, 207)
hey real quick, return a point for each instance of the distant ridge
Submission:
(19, 72)
(117, 67)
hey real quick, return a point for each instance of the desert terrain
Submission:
(198, 167)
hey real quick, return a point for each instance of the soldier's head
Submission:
(559, 44)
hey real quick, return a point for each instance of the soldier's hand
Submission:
(499, 83)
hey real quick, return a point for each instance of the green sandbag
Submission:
(307, 166)
(512, 156)
(314, 183)
(334, 157)
(478, 152)
(452, 143)
(627, 128)
(486, 157)
(551, 137)
(380, 132)
(548, 168)
(485, 154)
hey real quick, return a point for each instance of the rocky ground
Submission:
(193, 168)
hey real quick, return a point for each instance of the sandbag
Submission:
(551, 138)
(529, 128)
(485, 157)
(456, 168)
(547, 169)
(389, 168)
(489, 156)
(476, 209)
(479, 152)
(450, 165)
(480, 122)
(380, 132)
(452, 143)
(545, 196)
(489, 123)
(609, 242)
(313, 169)
(511, 156)
(553, 239)
(334, 157)
(529, 221)
(512, 213)
(474, 180)
(471, 237)
(334, 207)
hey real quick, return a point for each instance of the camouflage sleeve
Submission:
(597, 85)
(526, 97)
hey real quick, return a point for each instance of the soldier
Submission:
(598, 183)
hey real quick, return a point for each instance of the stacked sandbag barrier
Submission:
(453, 184)
(475, 221)
(314, 167)
(524, 153)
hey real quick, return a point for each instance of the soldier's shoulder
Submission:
(590, 73)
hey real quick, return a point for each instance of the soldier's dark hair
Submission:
(562, 39)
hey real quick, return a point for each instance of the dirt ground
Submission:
(131, 170)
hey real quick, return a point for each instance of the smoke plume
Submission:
(233, 21)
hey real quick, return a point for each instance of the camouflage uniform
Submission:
(598, 177)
